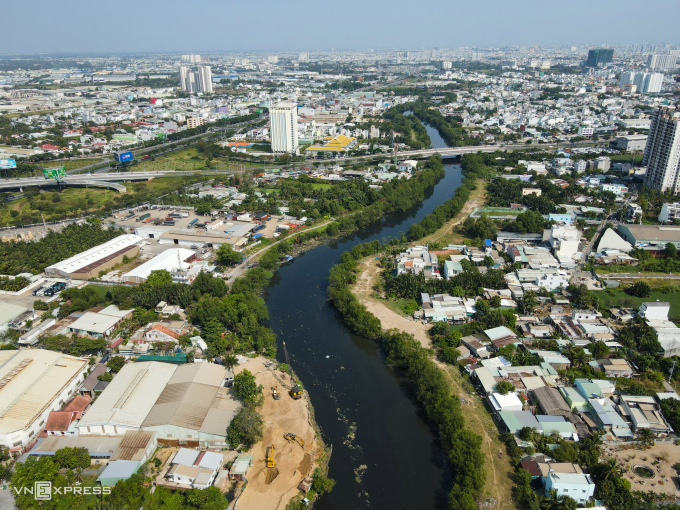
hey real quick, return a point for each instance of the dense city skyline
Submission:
(154, 26)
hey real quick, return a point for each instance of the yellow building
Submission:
(194, 122)
(340, 143)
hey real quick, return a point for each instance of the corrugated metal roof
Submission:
(30, 380)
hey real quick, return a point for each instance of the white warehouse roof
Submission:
(77, 262)
(130, 396)
(30, 381)
(170, 260)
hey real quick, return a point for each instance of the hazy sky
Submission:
(79, 26)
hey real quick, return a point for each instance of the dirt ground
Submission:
(499, 471)
(293, 462)
(634, 455)
(446, 233)
(389, 319)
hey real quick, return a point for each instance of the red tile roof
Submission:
(165, 330)
(59, 420)
(78, 403)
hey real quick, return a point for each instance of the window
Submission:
(565, 490)
(18, 443)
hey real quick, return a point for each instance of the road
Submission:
(241, 268)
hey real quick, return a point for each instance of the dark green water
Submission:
(393, 459)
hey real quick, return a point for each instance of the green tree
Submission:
(245, 428)
(72, 458)
(321, 484)
(246, 387)
(504, 387)
(639, 289)
(116, 363)
(226, 256)
(671, 251)
(158, 278)
(598, 349)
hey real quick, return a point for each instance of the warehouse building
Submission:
(641, 236)
(89, 263)
(186, 404)
(202, 239)
(170, 260)
(100, 322)
(33, 383)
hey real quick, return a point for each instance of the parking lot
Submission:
(184, 223)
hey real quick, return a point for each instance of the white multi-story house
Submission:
(669, 212)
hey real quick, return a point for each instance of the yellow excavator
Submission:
(275, 392)
(295, 390)
(271, 463)
(290, 437)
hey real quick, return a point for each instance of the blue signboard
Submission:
(8, 163)
(122, 157)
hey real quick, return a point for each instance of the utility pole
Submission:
(671, 374)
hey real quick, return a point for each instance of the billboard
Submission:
(122, 157)
(8, 163)
(162, 136)
(56, 173)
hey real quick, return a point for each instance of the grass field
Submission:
(186, 159)
(71, 164)
(624, 158)
(615, 296)
(73, 202)
(318, 185)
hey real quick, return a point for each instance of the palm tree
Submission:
(646, 437)
(230, 361)
(610, 470)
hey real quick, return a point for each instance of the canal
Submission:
(384, 454)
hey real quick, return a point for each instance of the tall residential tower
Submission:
(662, 153)
(284, 130)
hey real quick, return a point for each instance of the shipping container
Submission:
(169, 223)
(148, 220)
(143, 217)
(193, 222)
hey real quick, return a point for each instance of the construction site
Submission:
(290, 448)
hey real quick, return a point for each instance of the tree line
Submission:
(462, 446)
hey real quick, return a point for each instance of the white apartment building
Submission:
(657, 61)
(192, 59)
(645, 83)
(204, 75)
(669, 212)
(662, 153)
(284, 130)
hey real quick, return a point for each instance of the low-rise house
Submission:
(573, 397)
(617, 367)
(578, 486)
(118, 470)
(475, 346)
(550, 401)
(655, 310)
(509, 402)
(239, 469)
(100, 322)
(194, 468)
(644, 413)
(92, 385)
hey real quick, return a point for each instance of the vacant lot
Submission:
(617, 297)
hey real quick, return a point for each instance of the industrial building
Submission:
(34, 382)
(99, 322)
(187, 403)
(201, 239)
(87, 264)
(631, 143)
(170, 260)
(650, 235)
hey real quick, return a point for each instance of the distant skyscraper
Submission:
(192, 59)
(662, 153)
(284, 127)
(600, 57)
(304, 56)
(656, 61)
(273, 59)
(645, 83)
(184, 80)
(204, 76)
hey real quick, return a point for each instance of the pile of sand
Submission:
(294, 463)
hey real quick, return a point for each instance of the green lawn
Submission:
(623, 158)
(71, 164)
(178, 160)
(321, 186)
(614, 297)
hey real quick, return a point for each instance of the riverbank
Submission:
(499, 482)
(295, 461)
